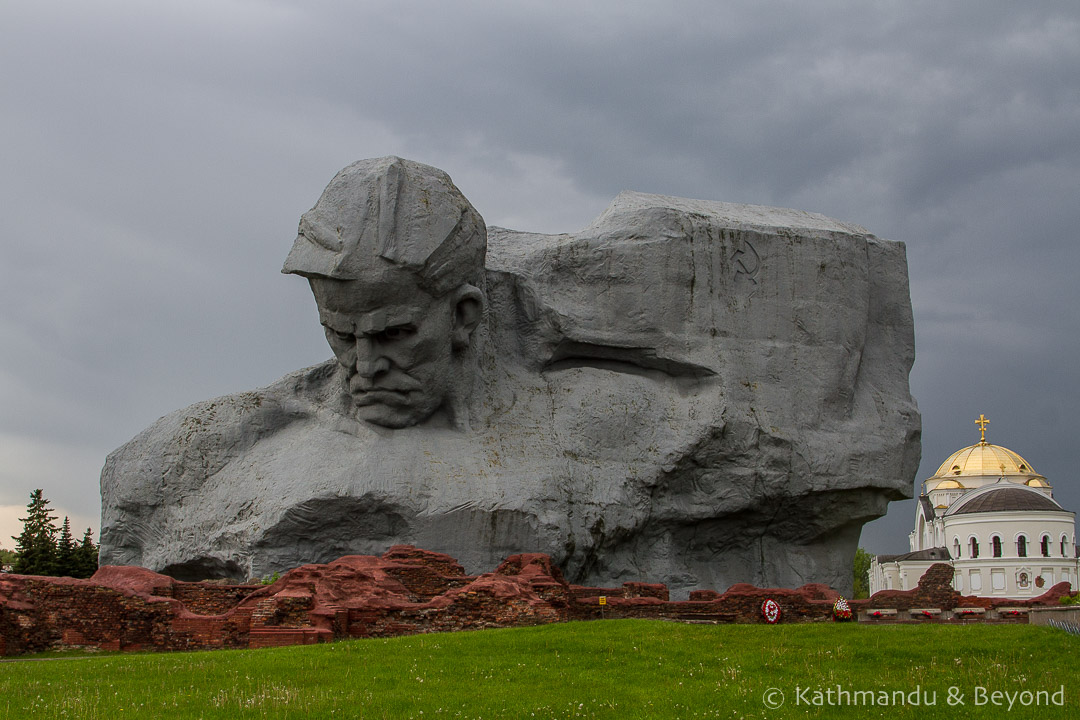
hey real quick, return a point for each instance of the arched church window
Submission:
(956, 548)
(1064, 546)
(996, 541)
(974, 549)
(1021, 546)
(1045, 546)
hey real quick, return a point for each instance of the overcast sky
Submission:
(155, 158)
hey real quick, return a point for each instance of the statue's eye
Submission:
(396, 332)
(343, 336)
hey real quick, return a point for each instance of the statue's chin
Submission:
(393, 417)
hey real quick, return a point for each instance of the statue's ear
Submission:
(468, 311)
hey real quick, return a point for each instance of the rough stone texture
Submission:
(687, 391)
(934, 590)
(406, 591)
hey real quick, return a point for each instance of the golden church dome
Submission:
(949, 485)
(984, 459)
(987, 461)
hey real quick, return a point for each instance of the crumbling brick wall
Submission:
(405, 591)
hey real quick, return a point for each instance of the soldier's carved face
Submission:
(396, 342)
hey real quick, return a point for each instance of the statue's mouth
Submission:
(393, 387)
(380, 396)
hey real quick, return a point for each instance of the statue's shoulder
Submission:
(210, 433)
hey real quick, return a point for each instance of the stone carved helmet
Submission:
(390, 210)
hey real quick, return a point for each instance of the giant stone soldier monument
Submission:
(690, 392)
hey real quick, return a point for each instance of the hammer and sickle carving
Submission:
(747, 261)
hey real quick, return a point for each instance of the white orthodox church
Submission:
(993, 518)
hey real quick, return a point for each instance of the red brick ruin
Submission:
(408, 591)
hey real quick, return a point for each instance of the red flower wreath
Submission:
(841, 610)
(770, 609)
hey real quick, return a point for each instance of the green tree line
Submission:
(45, 549)
(861, 571)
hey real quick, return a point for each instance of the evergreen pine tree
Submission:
(36, 545)
(66, 563)
(86, 555)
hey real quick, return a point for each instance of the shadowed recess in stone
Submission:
(639, 360)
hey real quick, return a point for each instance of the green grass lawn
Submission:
(612, 669)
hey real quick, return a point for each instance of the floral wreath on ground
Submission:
(770, 610)
(841, 609)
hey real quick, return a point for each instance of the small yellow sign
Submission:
(603, 599)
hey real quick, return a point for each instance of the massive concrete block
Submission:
(689, 392)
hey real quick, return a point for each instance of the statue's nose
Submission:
(370, 360)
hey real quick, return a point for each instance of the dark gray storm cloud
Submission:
(156, 157)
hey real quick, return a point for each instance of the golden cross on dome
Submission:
(982, 422)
